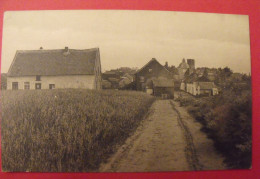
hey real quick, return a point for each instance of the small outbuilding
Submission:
(161, 87)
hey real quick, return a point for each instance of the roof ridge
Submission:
(53, 50)
(54, 62)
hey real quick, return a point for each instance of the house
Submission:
(201, 86)
(183, 67)
(110, 74)
(207, 88)
(152, 70)
(49, 69)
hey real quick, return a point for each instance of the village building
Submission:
(155, 79)
(161, 87)
(55, 69)
(199, 86)
(183, 67)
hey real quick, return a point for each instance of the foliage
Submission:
(3, 81)
(228, 120)
(66, 130)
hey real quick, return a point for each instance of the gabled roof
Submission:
(163, 82)
(207, 85)
(54, 62)
(151, 61)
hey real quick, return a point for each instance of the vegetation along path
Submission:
(169, 139)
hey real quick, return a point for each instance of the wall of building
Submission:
(69, 81)
(98, 75)
(158, 91)
(183, 86)
(192, 88)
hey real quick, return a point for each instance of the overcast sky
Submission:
(132, 38)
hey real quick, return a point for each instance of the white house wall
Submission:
(182, 86)
(69, 81)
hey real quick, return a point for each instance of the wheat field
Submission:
(71, 130)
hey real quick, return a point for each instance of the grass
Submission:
(66, 130)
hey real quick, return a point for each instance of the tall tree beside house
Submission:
(3, 81)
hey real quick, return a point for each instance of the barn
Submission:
(55, 69)
(153, 69)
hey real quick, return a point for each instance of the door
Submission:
(38, 86)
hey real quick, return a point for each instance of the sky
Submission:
(132, 38)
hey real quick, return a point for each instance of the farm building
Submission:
(161, 87)
(49, 69)
(153, 69)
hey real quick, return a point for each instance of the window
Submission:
(26, 85)
(141, 79)
(14, 85)
(38, 78)
(51, 86)
(38, 85)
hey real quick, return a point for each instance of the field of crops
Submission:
(66, 130)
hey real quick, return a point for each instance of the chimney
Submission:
(166, 64)
(66, 51)
(183, 60)
(41, 48)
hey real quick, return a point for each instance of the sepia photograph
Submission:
(125, 91)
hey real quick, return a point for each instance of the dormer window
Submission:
(150, 70)
(38, 78)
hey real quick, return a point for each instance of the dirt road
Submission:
(167, 140)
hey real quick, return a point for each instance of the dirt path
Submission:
(165, 142)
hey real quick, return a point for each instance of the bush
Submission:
(66, 130)
(232, 125)
(227, 119)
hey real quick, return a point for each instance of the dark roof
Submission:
(152, 60)
(54, 62)
(191, 78)
(203, 79)
(163, 82)
(207, 85)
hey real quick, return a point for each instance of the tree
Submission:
(3, 81)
